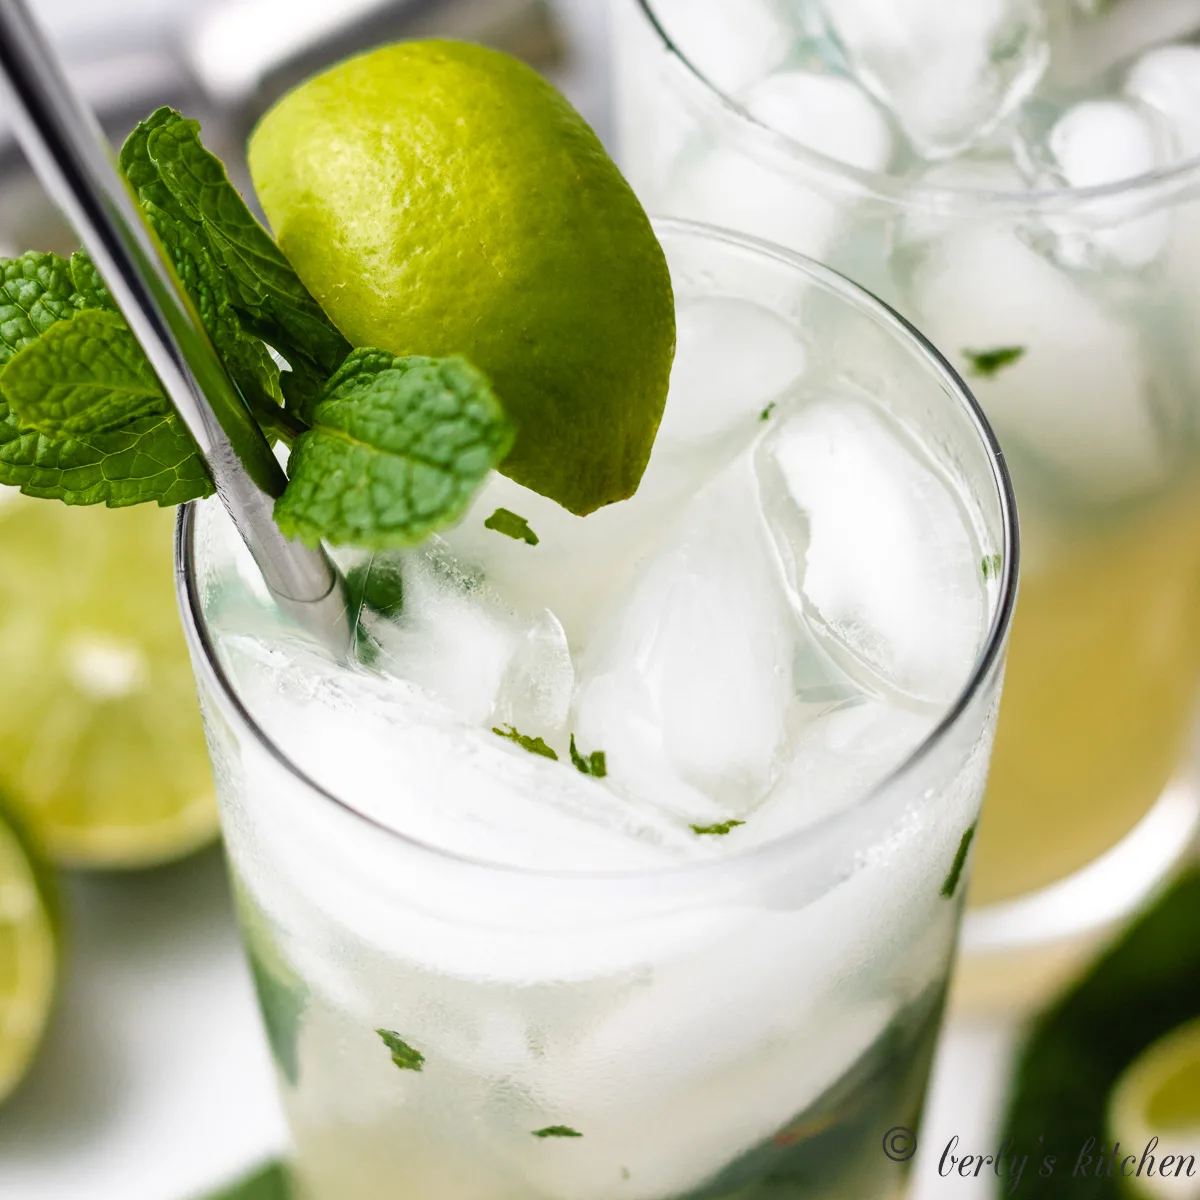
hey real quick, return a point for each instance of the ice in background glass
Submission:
(1048, 242)
(719, 969)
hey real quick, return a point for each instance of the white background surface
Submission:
(155, 1082)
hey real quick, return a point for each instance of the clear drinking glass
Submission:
(1090, 296)
(748, 1025)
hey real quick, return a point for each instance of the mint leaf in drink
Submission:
(765, 415)
(716, 830)
(403, 1055)
(511, 525)
(535, 745)
(86, 375)
(397, 448)
(987, 364)
(594, 764)
(990, 565)
(557, 1131)
(950, 886)
(213, 237)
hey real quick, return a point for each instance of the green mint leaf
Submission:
(36, 293)
(149, 458)
(535, 745)
(717, 830)
(199, 216)
(508, 523)
(86, 375)
(397, 449)
(403, 1055)
(271, 1183)
(282, 1002)
(557, 1131)
(990, 565)
(987, 364)
(959, 865)
(594, 764)
(765, 415)
(89, 287)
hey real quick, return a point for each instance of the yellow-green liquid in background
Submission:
(1099, 694)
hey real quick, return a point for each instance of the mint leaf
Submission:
(213, 239)
(403, 1055)
(90, 289)
(508, 523)
(717, 830)
(149, 458)
(987, 364)
(594, 764)
(36, 292)
(86, 375)
(765, 415)
(397, 449)
(990, 565)
(535, 745)
(959, 865)
(557, 1131)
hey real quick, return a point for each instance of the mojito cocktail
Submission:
(1019, 179)
(629, 862)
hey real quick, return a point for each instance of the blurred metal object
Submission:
(245, 53)
(72, 157)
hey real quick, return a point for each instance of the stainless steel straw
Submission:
(72, 157)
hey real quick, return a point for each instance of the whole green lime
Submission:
(441, 198)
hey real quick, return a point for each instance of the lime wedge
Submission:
(441, 198)
(1159, 1097)
(28, 957)
(101, 747)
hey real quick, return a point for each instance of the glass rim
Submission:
(895, 189)
(987, 661)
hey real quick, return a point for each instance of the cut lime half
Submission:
(101, 747)
(28, 957)
(1158, 1097)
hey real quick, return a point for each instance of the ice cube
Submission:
(761, 190)
(686, 686)
(1092, 144)
(1168, 81)
(1079, 399)
(950, 72)
(451, 636)
(878, 545)
(730, 45)
(732, 360)
(535, 693)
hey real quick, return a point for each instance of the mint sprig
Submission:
(385, 450)
(398, 447)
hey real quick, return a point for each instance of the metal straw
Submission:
(71, 155)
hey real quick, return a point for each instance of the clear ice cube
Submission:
(878, 546)
(1080, 400)
(950, 72)
(1167, 80)
(1092, 144)
(686, 686)
(731, 45)
(733, 359)
(762, 191)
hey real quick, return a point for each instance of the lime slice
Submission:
(101, 747)
(440, 198)
(1159, 1097)
(28, 957)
